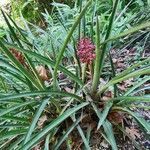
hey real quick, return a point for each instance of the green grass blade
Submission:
(11, 29)
(52, 125)
(124, 100)
(13, 126)
(123, 11)
(15, 144)
(128, 32)
(107, 128)
(130, 69)
(12, 133)
(104, 114)
(18, 28)
(13, 74)
(110, 134)
(65, 135)
(41, 85)
(37, 93)
(139, 119)
(19, 66)
(48, 62)
(122, 78)
(137, 85)
(35, 120)
(108, 34)
(13, 118)
(5, 63)
(143, 89)
(140, 106)
(88, 135)
(46, 146)
(8, 110)
(85, 141)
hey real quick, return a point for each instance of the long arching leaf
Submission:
(52, 125)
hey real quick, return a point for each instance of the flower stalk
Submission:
(84, 72)
(97, 61)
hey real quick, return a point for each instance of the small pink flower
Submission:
(85, 50)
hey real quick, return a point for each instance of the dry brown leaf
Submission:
(133, 132)
(38, 147)
(42, 72)
(120, 65)
(132, 52)
(69, 90)
(121, 87)
(107, 95)
(128, 82)
(125, 84)
(42, 121)
(115, 117)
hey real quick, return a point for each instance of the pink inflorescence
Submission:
(85, 50)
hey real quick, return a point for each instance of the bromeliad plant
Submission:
(41, 108)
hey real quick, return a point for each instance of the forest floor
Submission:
(132, 137)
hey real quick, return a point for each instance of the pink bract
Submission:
(85, 50)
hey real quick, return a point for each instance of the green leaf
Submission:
(15, 144)
(14, 118)
(37, 93)
(128, 32)
(108, 34)
(110, 134)
(11, 29)
(20, 67)
(107, 128)
(46, 147)
(139, 119)
(8, 110)
(47, 61)
(35, 120)
(12, 74)
(104, 114)
(18, 28)
(65, 135)
(125, 100)
(132, 68)
(52, 125)
(140, 106)
(13, 125)
(142, 89)
(85, 141)
(41, 85)
(88, 135)
(12, 133)
(122, 78)
(137, 85)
